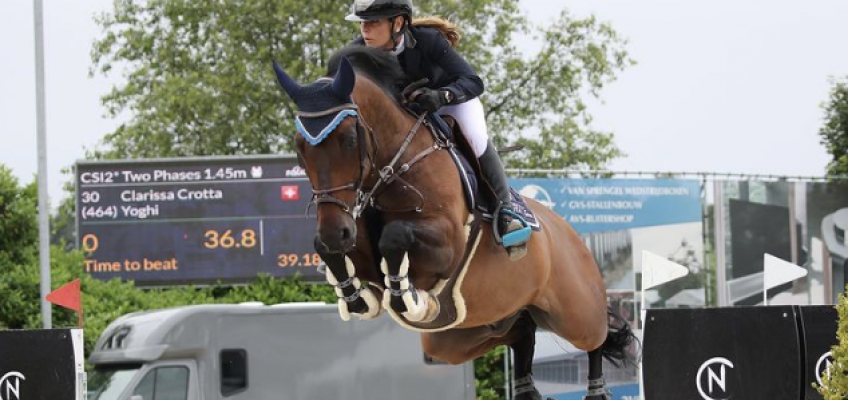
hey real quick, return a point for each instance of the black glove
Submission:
(430, 100)
(412, 87)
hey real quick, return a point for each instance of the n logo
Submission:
(716, 377)
(10, 385)
(823, 367)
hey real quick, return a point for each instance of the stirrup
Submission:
(516, 237)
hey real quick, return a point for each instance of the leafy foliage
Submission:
(18, 227)
(198, 82)
(835, 382)
(834, 133)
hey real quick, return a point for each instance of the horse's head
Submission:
(332, 146)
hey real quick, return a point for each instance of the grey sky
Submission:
(723, 86)
(74, 115)
(720, 86)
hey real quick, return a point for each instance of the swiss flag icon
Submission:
(290, 192)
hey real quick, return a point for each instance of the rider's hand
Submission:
(430, 100)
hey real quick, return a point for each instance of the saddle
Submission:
(479, 195)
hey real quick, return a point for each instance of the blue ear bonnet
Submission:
(318, 97)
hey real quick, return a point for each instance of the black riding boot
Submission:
(493, 172)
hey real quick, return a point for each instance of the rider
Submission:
(453, 88)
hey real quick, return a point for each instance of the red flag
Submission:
(68, 296)
(290, 192)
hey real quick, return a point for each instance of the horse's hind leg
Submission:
(616, 349)
(523, 347)
(597, 389)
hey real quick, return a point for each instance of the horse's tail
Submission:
(621, 346)
(448, 29)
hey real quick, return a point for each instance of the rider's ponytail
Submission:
(447, 28)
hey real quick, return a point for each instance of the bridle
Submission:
(388, 173)
(324, 196)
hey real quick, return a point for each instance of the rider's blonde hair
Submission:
(447, 28)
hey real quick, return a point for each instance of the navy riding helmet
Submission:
(367, 10)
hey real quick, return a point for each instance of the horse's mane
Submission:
(378, 65)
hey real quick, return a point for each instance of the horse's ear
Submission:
(345, 79)
(288, 84)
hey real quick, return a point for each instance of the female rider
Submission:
(453, 87)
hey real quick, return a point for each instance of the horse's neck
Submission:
(391, 124)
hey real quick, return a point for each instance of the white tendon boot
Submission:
(365, 293)
(421, 311)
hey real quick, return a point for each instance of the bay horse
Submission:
(397, 235)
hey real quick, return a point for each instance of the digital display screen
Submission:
(195, 220)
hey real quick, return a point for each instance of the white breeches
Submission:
(472, 120)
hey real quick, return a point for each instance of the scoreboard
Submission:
(195, 220)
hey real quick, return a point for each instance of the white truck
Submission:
(299, 351)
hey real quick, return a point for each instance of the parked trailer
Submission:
(301, 351)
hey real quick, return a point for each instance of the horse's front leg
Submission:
(433, 253)
(355, 297)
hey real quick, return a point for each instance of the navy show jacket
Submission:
(427, 54)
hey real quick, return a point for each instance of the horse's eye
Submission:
(350, 142)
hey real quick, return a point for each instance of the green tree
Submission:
(63, 223)
(834, 133)
(18, 225)
(198, 82)
(835, 382)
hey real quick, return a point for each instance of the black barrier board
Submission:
(195, 220)
(819, 325)
(731, 353)
(41, 365)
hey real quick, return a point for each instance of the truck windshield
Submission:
(109, 383)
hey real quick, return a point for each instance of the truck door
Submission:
(167, 381)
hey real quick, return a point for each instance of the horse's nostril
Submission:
(345, 234)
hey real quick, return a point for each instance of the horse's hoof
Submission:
(364, 307)
(419, 309)
(343, 311)
(374, 308)
(524, 389)
(433, 309)
(517, 252)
